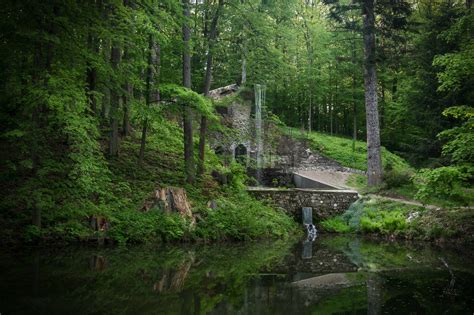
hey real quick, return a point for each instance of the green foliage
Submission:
(372, 216)
(383, 222)
(337, 224)
(187, 97)
(154, 226)
(58, 83)
(458, 66)
(240, 217)
(443, 182)
(32, 234)
(341, 149)
(395, 179)
(386, 217)
(460, 145)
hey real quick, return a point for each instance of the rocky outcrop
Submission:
(224, 91)
(99, 223)
(170, 200)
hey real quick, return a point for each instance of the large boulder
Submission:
(170, 200)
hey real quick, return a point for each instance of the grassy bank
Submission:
(347, 152)
(398, 220)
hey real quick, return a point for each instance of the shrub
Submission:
(240, 217)
(132, 226)
(442, 182)
(394, 179)
(32, 233)
(383, 221)
(336, 224)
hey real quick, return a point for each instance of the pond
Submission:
(332, 275)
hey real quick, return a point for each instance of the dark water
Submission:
(332, 275)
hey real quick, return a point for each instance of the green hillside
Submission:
(345, 151)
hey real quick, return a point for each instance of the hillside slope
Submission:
(345, 151)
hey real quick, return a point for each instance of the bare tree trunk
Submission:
(34, 147)
(310, 112)
(153, 73)
(92, 77)
(244, 70)
(374, 159)
(354, 103)
(207, 87)
(114, 105)
(188, 114)
(126, 99)
(331, 105)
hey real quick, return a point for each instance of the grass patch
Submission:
(337, 224)
(385, 217)
(347, 152)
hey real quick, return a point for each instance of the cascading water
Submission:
(311, 229)
(260, 91)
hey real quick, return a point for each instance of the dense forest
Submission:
(103, 100)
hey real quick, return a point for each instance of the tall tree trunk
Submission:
(114, 104)
(310, 112)
(92, 76)
(35, 117)
(243, 78)
(309, 50)
(374, 159)
(331, 107)
(207, 87)
(187, 114)
(354, 103)
(152, 75)
(126, 99)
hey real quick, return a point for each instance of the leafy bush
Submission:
(383, 221)
(138, 227)
(394, 179)
(240, 217)
(442, 182)
(336, 224)
(32, 233)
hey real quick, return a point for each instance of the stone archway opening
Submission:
(240, 154)
(219, 150)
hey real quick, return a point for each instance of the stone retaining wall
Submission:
(325, 203)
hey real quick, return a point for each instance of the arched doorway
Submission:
(219, 150)
(241, 154)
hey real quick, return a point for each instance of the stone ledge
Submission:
(325, 203)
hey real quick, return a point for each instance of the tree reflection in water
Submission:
(341, 275)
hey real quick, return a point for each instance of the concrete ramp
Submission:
(320, 179)
(328, 281)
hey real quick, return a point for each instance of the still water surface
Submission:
(332, 275)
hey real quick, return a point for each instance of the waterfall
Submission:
(259, 102)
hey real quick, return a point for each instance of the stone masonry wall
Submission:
(325, 203)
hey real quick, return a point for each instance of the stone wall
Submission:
(325, 203)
